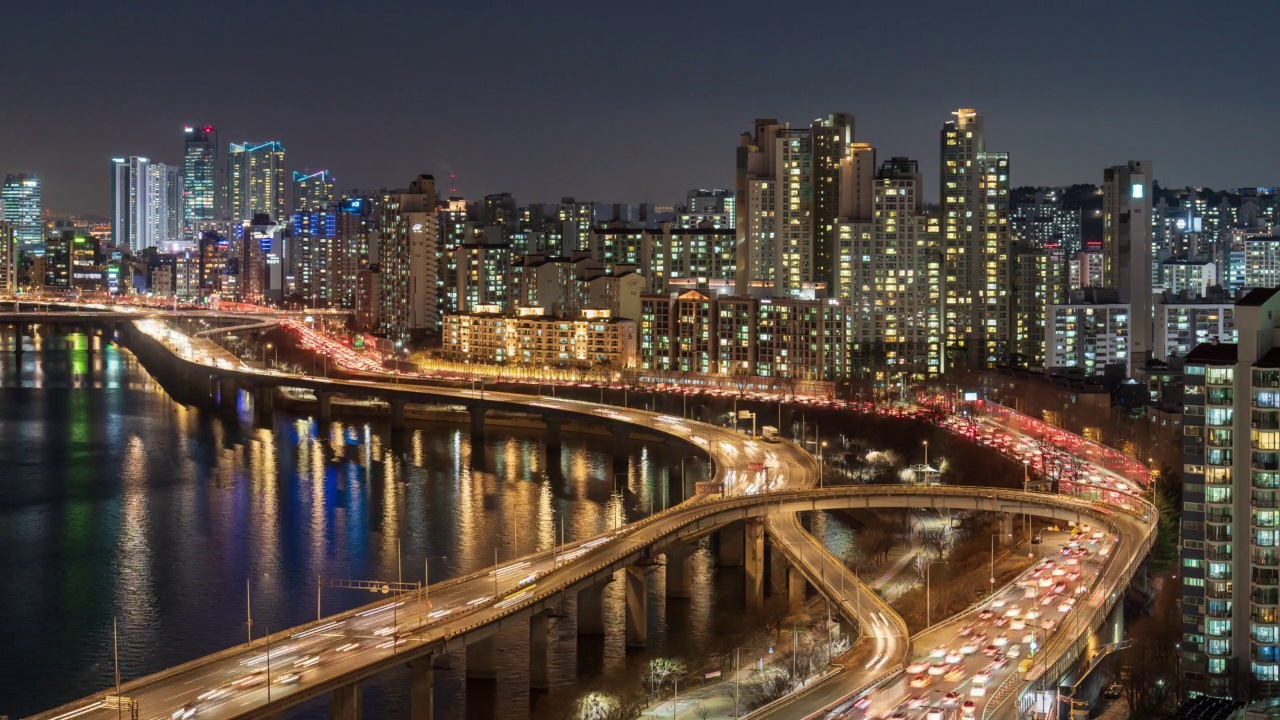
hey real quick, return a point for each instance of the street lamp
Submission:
(928, 600)
(426, 577)
(993, 559)
(926, 461)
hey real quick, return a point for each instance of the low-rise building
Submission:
(533, 338)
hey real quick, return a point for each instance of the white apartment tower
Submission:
(407, 244)
(1126, 245)
(146, 203)
(977, 242)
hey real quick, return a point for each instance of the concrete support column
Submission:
(538, 676)
(777, 571)
(345, 704)
(397, 413)
(591, 610)
(422, 689)
(264, 400)
(678, 575)
(552, 435)
(637, 610)
(477, 425)
(621, 441)
(324, 407)
(228, 394)
(753, 562)
(732, 537)
(481, 660)
(796, 585)
(1006, 526)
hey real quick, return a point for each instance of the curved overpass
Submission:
(591, 562)
(472, 608)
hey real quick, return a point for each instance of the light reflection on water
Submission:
(114, 500)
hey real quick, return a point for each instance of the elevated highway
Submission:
(331, 656)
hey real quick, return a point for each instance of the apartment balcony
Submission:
(1223, 594)
(1224, 650)
(1265, 462)
(1264, 597)
(1217, 555)
(1263, 577)
(1264, 653)
(1217, 517)
(1264, 500)
(1220, 613)
(1268, 558)
(1265, 420)
(1265, 616)
(1218, 533)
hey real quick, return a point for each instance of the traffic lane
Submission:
(901, 693)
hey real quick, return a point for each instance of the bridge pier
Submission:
(477, 425)
(591, 610)
(753, 562)
(777, 571)
(637, 610)
(397, 413)
(324, 406)
(264, 403)
(796, 586)
(482, 660)
(538, 676)
(345, 703)
(621, 442)
(1006, 526)
(228, 394)
(731, 537)
(422, 688)
(552, 435)
(678, 575)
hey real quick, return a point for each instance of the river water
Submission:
(118, 504)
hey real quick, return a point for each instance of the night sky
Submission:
(632, 101)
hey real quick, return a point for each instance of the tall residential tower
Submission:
(975, 232)
(22, 209)
(255, 181)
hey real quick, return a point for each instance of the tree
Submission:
(659, 671)
(741, 379)
(876, 543)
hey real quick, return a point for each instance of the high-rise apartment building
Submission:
(977, 242)
(199, 180)
(889, 259)
(407, 247)
(483, 276)
(255, 181)
(1181, 326)
(1262, 262)
(1126, 245)
(1044, 223)
(313, 191)
(1188, 277)
(315, 237)
(777, 225)
(23, 208)
(1230, 569)
(1089, 337)
(830, 142)
(8, 260)
(1039, 280)
(146, 204)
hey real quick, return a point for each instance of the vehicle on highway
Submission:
(955, 674)
(970, 709)
(921, 681)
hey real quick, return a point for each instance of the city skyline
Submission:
(1068, 106)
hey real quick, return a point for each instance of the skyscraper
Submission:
(830, 141)
(407, 246)
(775, 208)
(1126, 245)
(22, 209)
(312, 191)
(8, 260)
(975, 231)
(255, 181)
(145, 204)
(199, 175)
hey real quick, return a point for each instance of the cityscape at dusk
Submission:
(590, 362)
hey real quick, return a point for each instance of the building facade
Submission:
(1088, 337)
(146, 204)
(256, 181)
(313, 191)
(9, 252)
(199, 180)
(1126, 245)
(23, 209)
(975, 234)
(1230, 571)
(532, 338)
(1181, 326)
(407, 246)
